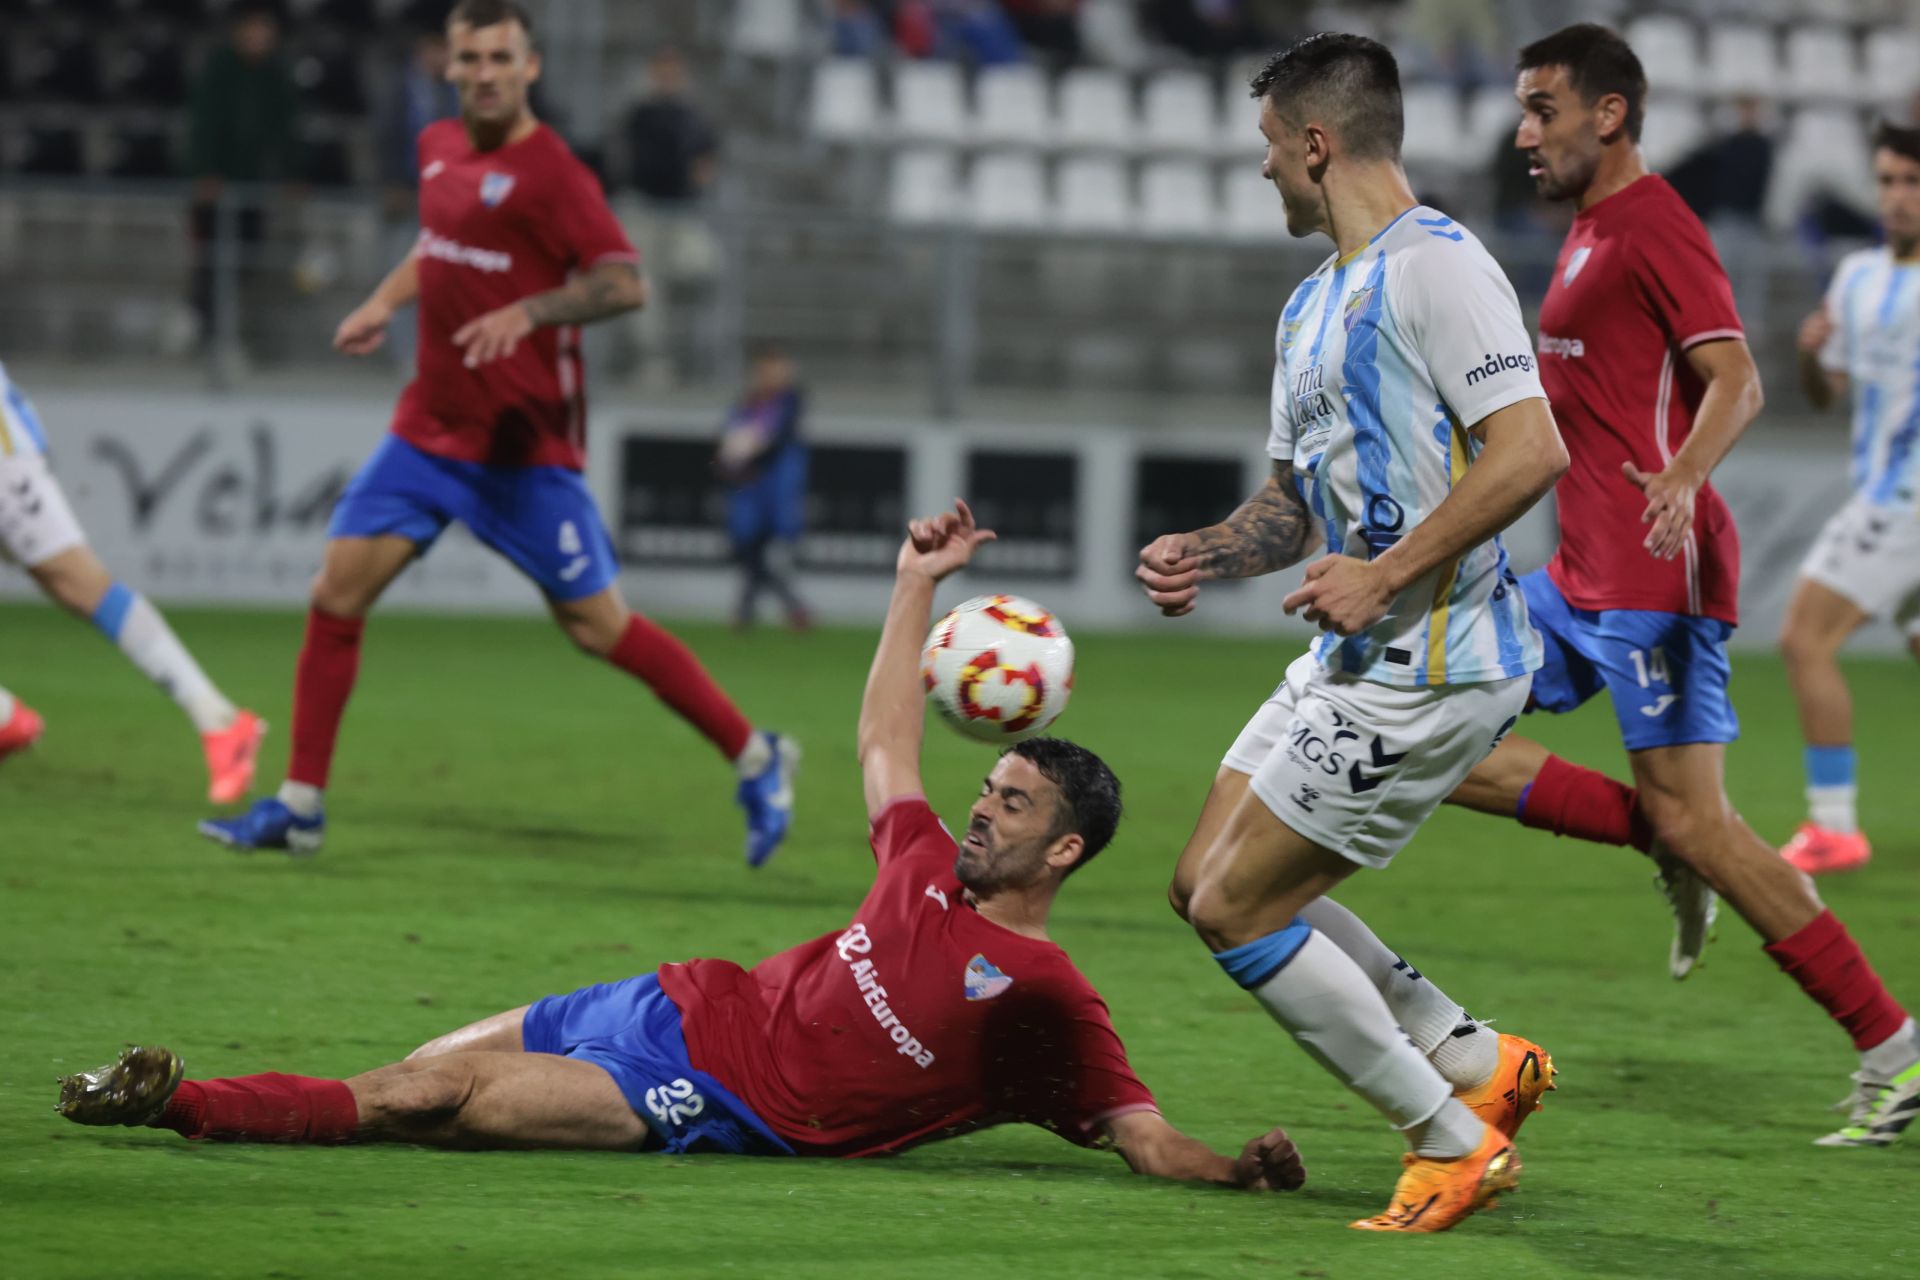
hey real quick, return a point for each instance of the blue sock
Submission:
(1251, 963)
(111, 613)
(1829, 766)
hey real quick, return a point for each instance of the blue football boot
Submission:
(269, 824)
(767, 798)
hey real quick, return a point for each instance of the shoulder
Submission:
(441, 135)
(1664, 222)
(1431, 258)
(908, 824)
(1858, 264)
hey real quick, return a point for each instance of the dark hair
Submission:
(490, 13)
(1598, 62)
(1089, 793)
(1346, 81)
(1902, 140)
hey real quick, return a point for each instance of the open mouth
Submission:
(974, 841)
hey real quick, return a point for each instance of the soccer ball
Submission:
(999, 668)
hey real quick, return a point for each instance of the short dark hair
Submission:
(490, 13)
(1598, 62)
(1089, 793)
(1347, 81)
(1902, 140)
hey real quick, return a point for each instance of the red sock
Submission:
(322, 679)
(263, 1108)
(677, 679)
(1829, 966)
(1571, 801)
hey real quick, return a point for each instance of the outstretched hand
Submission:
(940, 545)
(1270, 1162)
(1670, 496)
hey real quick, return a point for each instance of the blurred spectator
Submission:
(1455, 41)
(1050, 26)
(672, 158)
(763, 462)
(242, 135)
(972, 31)
(858, 30)
(1203, 28)
(1726, 178)
(420, 96)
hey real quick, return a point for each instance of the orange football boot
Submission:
(1818, 850)
(1433, 1195)
(22, 729)
(1512, 1092)
(231, 753)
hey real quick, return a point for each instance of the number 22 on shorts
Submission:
(675, 1103)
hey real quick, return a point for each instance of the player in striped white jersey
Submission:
(38, 531)
(1864, 339)
(1408, 429)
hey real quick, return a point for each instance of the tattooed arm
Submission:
(1271, 530)
(605, 290)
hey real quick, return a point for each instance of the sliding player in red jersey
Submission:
(517, 249)
(940, 1008)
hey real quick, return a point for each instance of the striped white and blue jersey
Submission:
(20, 431)
(1874, 301)
(1387, 358)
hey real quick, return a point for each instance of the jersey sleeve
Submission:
(1833, 352)
(1280, 435)
(585, 222)
(1058, 1063)
(1679, 276)
(906, 828)
(1459, 312)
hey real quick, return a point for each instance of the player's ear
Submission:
(533, 65)
(1066, 851)
(1318, 144)
(1610, 116)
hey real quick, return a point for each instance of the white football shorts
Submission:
(36, 523)
(1357, 766)
(1871, 555)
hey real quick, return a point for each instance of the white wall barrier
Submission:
(202, 498)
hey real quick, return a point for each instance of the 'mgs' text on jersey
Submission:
(1386, 358)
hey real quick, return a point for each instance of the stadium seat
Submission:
(1009, 192)
(1673, 127)
(143, 152)
(1893, 65)
(54, 151)
(1176, 199)
(773, 29)
(1436, 133)
(1093, 110)
(846, 100)
(1741, 59)
(1010, 106)
(1178, 113)
(329, 81)
(1250, 205)
(924, 187)
(1493, 117)
(1669, 52)
(1238, 119)
(1092, 195)
(1824, 151)
(63, 68)
(152, 71)
(1111, 33)
(929, 102)
(1821, 66)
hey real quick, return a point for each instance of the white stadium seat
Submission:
(1093, 110)
(1493, 117)
(1178, 112)
(1010, 106)
(1092, 195)
(1893, 65)
(1009, 192)
(846, 100)
(1111, 33)
(1821, 66)
(929, 102)
(1741, 59)
(768, 28)
(1176, 199)
(924, 187)
(1824, 150)
(1239, 119)
(1673, 128)
(1250, 205)
(1435, 131)
(1669, 52)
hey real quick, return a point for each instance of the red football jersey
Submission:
(1636, 284)
(495, 227)
(921, 1019)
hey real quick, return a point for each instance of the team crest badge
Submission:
(983, 981)
(495, 187)
(432, 171)
(1577, 261)
(1357, 305)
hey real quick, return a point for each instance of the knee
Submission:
(1216, 914)
(595, 637)
(333, 594)
(1691, 831)
(416, 1089)
(1801, 644)
(1180, 895)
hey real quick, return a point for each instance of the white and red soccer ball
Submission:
(998, 668)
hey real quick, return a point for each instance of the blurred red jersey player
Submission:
(517, 249)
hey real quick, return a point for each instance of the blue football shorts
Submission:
(631, 1030)
(543, 519)
(1666, 672)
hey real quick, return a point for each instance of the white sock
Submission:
(1454, 1131)
(755, 756)
(301, 797)
(126, 618)
(1469, 1055)
(1427, 1014)
(1832, 808)
(6, 706)
(1893, 1055)
(1324, 999)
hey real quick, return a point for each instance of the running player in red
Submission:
(1644, 360)
(940, 1008)
(517, 248)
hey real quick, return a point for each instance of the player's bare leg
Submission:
(1243, 882)
(353, 575)
(479, 1100)
(499, 1033)
(229, 736)
(603, 626)
(1819, 620)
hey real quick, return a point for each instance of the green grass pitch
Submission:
(510, 820)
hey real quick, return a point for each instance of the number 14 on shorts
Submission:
(1650, 668)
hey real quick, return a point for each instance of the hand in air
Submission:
(1342, 595)
(1169, 572)
(1270, 1162)
(1670, 494)
(364, 330)
(494, 335)
(939, 545)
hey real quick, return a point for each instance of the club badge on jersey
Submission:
(495, 187)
